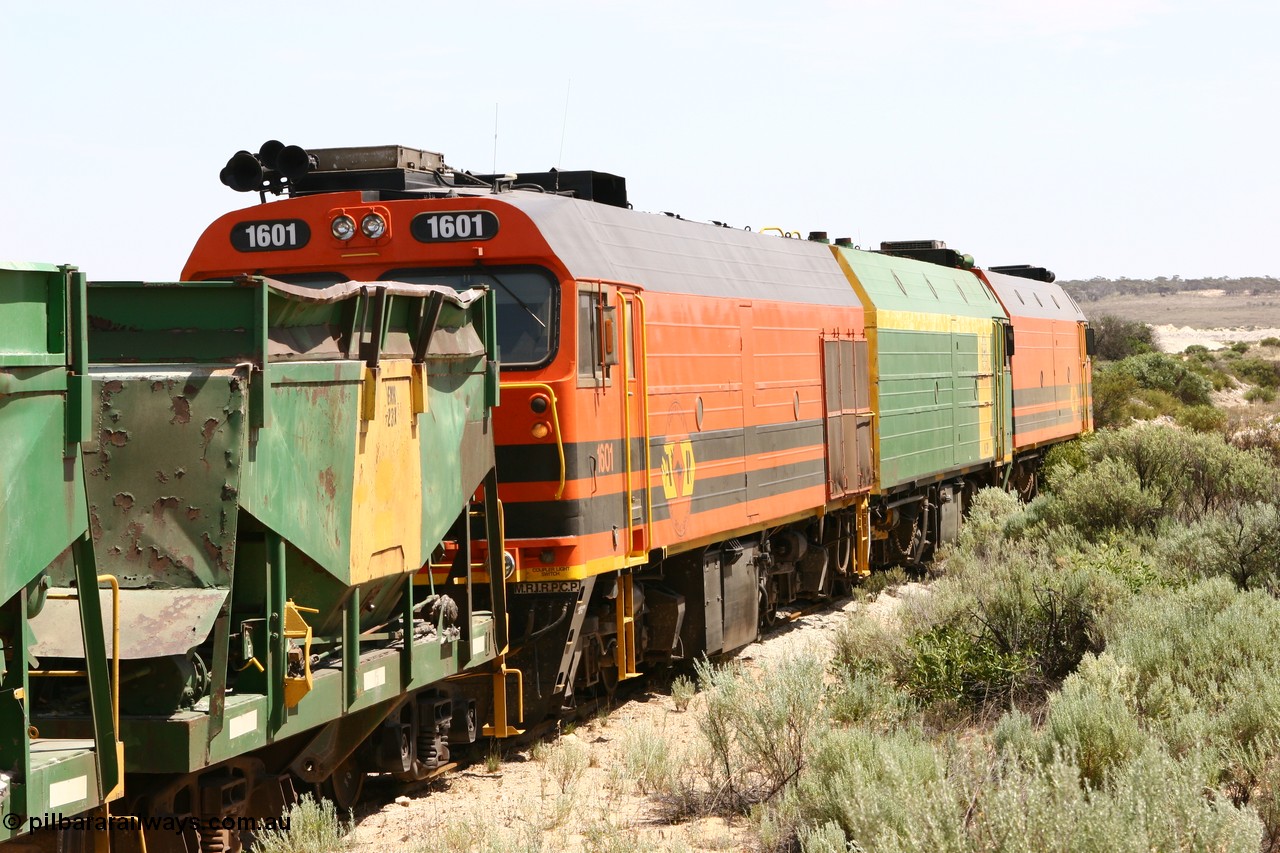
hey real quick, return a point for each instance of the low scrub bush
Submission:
(1258, 394)
(682, 691)
(314, 827)
(1113, 394)
(758, 728)
(1202, 418)
(868, 700)
(1091, 719)
(1258, 371)
(1206, 663)
(1156, 371)
(1104, 498)
(1117, 338)
(1242, 543)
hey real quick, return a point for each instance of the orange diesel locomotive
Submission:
(687, 432)
(678, 433)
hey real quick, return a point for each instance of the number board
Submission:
(270, 235)
(454, 226)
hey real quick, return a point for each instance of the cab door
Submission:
(611, 364)
(636, 463)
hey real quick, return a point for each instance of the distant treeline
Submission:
(1099, 288)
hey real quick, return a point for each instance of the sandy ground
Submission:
(1177, 338)
(534, 800)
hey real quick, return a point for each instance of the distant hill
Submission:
(1200, 303)
(1100, 288)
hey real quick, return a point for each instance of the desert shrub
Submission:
(1064, 459)
(1150, 404)
(1187, 474)
(882, 580)
(1202, 418)
(1206, 663)
(1091, 719)
(1261, 434)
(1113, 393)
(566, 760)
(650, 762)
(1117, 338)
(1270, 342)
(1242, 543)
(1258, 371)
(1258, 394)
(1127, 559)
(1196, 349)
(1106, 497)
(869, 700)
(864, 644)
(1240, 346)
(984, 529)
(1001, 628)
(884, 792)
(1150, 802)
(898, 793)
(1156, 371)
(951, 664)
(682, 691)
(758, 728)
(314, 827)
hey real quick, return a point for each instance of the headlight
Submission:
(344, 227)
(373, 226)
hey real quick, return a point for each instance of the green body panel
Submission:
(42, 505)
(63, 780)
(300, 478)
(936, 336)
(929, 412)
(44, 520)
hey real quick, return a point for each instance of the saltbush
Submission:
(1202, 418)
(1159, 372)
(758, 727)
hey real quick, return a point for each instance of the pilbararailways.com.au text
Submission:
(161, 823)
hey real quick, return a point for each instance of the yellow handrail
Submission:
(115, 648)
(555, 419)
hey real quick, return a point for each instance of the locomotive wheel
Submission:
(768, 613)
(344, 786)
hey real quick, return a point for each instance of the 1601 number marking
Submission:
(270, 235)
(454, 226)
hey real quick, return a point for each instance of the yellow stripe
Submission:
(387, 496)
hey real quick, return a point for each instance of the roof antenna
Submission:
(563, 125)
(495, 138)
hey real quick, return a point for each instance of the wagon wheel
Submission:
(344, 786)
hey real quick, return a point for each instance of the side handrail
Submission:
(115, 647)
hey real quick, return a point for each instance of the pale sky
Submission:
(1095, 137)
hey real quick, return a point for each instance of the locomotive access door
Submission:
(847, 415)
(635, 462)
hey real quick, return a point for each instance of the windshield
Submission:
(526, 307)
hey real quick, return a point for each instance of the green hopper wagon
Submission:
(272, 467)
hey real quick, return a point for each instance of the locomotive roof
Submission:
(904, 284)
(671, 255)
(1024, 297)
